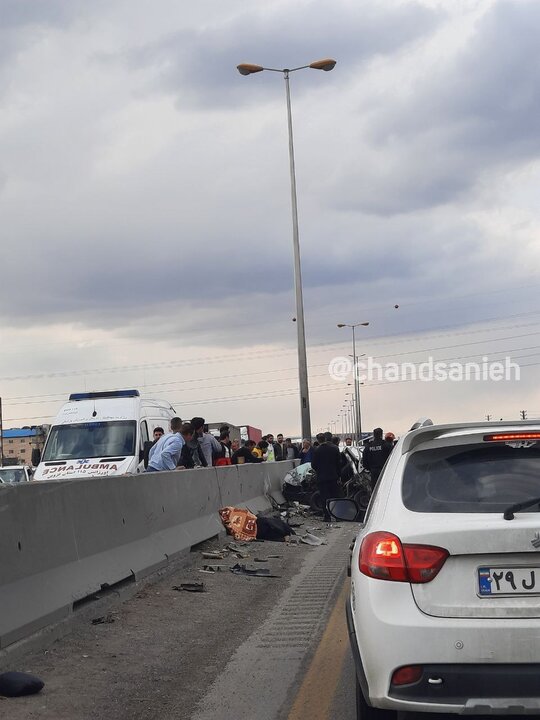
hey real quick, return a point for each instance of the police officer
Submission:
(375, 455)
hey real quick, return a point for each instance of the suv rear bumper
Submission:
(476, 687)
(466, 688)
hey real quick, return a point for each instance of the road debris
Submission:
(104, 619)
(195, 587)
(211, 568)
(214, 555)
(252, 572)
(310, 539)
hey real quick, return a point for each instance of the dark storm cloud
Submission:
(212, 293)
(200, 65)
(476, 111)
(200, 234)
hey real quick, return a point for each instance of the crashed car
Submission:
(300, 485)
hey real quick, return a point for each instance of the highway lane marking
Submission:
(314, 698)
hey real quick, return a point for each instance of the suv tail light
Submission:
(407, 675)
(383, 556)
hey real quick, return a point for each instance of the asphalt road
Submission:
(245, 648)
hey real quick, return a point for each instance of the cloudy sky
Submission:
(145, 207)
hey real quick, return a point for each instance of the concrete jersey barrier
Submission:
(63, 541)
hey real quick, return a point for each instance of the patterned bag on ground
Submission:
(239, 522)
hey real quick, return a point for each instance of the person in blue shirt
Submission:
(165, 454)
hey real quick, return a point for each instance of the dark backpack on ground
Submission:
(16, 684)
(272, 528)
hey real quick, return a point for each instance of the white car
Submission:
(444, 611)
(15, 474)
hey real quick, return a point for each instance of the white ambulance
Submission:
(101, 433)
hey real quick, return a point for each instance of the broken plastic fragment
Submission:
(252, 572)
(310, 539)
(190, 587)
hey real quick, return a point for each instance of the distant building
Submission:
(18, 444)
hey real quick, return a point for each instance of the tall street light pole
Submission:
(358, 419)
(326, 65)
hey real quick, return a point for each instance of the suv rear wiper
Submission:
(516, 507)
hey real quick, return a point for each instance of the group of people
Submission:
(330, 463)
(189, 445)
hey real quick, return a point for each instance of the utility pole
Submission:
(523, 414)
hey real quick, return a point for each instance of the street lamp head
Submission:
(365, 324)
(340, 325)
(247, 69)
(326, 64)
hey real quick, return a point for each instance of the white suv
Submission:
(444, 612)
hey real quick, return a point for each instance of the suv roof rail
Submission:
(422, 422)
(421, 433)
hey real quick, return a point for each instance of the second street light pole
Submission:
(357, 417)
(356, 394)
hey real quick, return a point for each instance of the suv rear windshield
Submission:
(473, 478)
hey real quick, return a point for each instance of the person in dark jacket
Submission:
(245, 455)
(193, 455)
(186, 458)
(375, 455)
(291, 452)
(327, 464)
(280, 449)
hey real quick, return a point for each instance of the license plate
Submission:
(508, 581)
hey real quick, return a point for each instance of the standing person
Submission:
(224, 457)
(225, 433)
(291, 451)
(280, 449)
(165, 454)
(375, 455)
(306, 453)
(270, 451)
(209, 444)
(327, 464)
